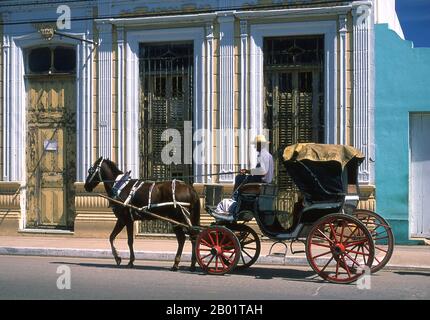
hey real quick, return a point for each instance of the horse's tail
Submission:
(195, 209)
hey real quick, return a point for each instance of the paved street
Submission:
(36, 278)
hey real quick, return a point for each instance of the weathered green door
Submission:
(51, 151)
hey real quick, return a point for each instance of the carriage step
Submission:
(279, 254)
(300, 251)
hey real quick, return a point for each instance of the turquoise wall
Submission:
(402, 87)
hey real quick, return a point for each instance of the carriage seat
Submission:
(214, 194)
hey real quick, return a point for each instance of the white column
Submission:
(6, 108)
(255, 93)
(209, 99)
(105, 90)
(363, 90)
(120, 95)
(132, 109)
(342, 78)
(84, 110)
(243, 137)
(14, 104)
(226, 95)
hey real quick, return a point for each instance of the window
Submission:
(51, 60)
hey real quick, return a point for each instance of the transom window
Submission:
(51, 60)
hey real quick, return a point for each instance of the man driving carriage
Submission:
(262, 173)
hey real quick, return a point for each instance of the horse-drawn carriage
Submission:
(341, 241)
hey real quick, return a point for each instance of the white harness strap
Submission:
(173, 192)
(150, 194)
(97, 171)
(136, 186)
(118, 181)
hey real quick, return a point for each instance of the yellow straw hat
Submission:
(260, 138)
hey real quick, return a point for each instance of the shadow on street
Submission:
(255, 272)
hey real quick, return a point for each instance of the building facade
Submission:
(217, 71)
(402, 122)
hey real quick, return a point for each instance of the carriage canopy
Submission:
(322, 152)
(322, 172)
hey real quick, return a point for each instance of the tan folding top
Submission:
(321, 152)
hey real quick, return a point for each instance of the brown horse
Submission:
(105, 171)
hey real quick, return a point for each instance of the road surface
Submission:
(41, 277)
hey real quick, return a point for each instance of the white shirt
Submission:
(266, 168)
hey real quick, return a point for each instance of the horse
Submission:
(105, 171)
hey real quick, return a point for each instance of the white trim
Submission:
(258, 32)
(371, 112)
(244, 78)
(16, 108)
(105, 136)
(209, 98)
(172, 19)
(197, 35)
(120, 96)
(364, 94)
(226, 149)
(17, 104)
(342, 78)
(293, 12)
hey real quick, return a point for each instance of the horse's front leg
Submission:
(116, 230)
(180, 236)
(130, 238)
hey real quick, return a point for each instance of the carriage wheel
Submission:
(382, 235)
(339, 248)
(217, 250)
(250, 245)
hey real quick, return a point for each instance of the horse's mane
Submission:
(113, 166)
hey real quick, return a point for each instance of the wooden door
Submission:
(51, 151)
(419, 175)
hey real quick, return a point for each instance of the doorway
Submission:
(166, 82)
(51, 137)
(419, 185)
(294, 101)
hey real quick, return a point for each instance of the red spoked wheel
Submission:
(217, 250)
(339, 248)
(382, 236)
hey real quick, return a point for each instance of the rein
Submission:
(166, 178)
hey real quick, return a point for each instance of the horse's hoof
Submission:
(130, 265)
(118, 261)
(193, 268)
(174, 268)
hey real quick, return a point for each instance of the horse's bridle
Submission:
(93, 171)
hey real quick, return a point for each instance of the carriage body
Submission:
(322, 173)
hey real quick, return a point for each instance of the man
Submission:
(263, 172)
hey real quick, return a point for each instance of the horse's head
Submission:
(94, 175)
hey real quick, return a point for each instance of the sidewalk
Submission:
(404, 257)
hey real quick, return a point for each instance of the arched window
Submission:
(51, 60)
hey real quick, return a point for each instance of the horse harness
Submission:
(138, 184)
(122, 180)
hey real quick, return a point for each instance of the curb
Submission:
(167, 256)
